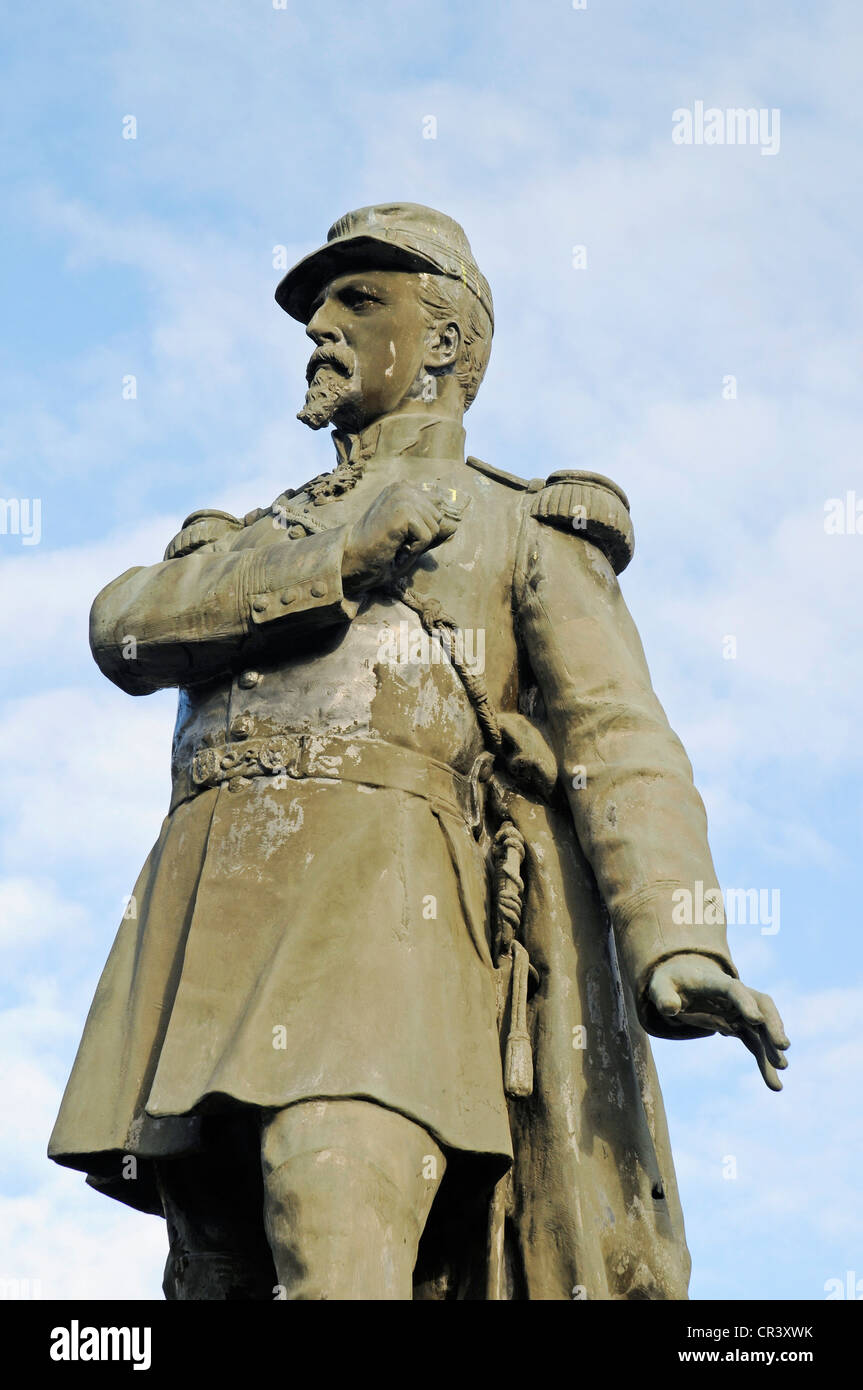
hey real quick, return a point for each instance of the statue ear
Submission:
(444, 342)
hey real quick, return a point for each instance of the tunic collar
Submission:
(414, 434)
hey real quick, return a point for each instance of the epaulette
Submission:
(208, 512)
(233, 522)
(592, 506)
(501, 476)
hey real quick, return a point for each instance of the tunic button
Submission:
(240, 726)
(260, 605)
(249, 679)
(318, 590)
(288, 597)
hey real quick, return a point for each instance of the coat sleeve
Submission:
(187, 619)
(638, 816)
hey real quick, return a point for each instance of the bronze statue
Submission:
(377, 1025)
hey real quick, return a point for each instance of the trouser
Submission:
(324, 1200)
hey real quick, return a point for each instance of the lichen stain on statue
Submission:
(268, 824)
(379, 1030)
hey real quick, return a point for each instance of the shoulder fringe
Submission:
(592, 506)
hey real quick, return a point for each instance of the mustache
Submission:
(341, 359)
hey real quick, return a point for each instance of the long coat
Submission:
(315, 919)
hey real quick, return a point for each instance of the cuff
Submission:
(669, 920)
(299, 579)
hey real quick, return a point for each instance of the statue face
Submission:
(371, 338)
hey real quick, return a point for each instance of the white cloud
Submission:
(69, 1242)
(56, 1233)
(96, 778)
(33, 910)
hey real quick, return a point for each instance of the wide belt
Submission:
(372, 762)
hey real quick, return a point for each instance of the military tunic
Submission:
(315, 918)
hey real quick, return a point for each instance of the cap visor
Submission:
(297, 291)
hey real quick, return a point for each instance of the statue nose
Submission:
(321, 327)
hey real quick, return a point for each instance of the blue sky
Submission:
(153, 257)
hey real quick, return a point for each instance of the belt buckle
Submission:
(280, 754)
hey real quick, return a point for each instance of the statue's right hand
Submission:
(403, 521)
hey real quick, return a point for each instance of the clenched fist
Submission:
(403, 521)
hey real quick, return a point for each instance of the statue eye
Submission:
(358, 299)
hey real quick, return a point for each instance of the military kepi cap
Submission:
(391, 236)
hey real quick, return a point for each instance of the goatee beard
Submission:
(330, 393)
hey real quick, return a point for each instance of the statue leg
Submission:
(213, 1205)
(348, 1187)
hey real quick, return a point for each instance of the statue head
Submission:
(399, 312)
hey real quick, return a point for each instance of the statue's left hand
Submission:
(694, 990)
